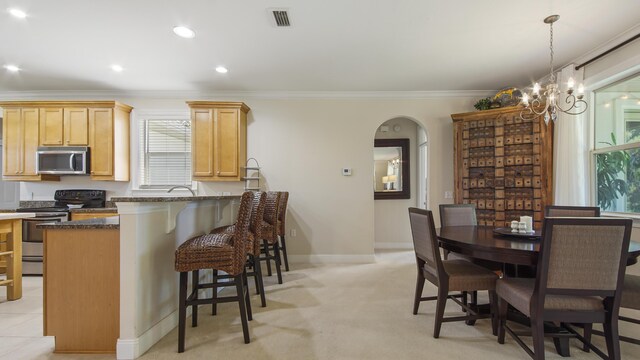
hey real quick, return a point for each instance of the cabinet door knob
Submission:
(67, 141)
(93, 172)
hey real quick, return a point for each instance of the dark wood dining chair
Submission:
(458, 215)
(571, 211)
(447, 275)
(630, 300)
(579, 280)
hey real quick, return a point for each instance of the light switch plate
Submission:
(346, 171)
(448, 194)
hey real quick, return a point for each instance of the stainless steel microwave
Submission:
(63, 160)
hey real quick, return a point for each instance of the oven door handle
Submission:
(71, 156)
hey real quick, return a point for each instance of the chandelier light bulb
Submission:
(571, 83)
(536, 88)
(580, 89)
(525, 99)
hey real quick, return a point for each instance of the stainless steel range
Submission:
(32, 237)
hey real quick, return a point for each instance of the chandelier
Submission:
(547, 102)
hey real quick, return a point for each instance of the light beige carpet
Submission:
(349, 312)
(324, 312)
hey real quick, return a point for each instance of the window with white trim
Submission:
(165, 152)
(617, 146)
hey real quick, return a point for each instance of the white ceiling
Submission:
(333, 45)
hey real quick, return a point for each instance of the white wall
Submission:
(302, 144)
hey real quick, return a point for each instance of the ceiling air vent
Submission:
(280, 17)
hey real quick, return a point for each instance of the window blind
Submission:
(165, 153)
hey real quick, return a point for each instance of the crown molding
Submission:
(271, 95)
(625, 35)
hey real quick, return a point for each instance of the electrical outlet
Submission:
(293, 232)
(448, 194)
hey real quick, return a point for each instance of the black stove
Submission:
(32, 236)
(63, 198)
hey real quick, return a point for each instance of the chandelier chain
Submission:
(552, 76)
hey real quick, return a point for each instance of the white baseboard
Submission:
(333, 259)
(129, 349)
(393, 245)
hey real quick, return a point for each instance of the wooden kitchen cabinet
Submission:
(503, 164)
(101, 125)
(64, 127)
(109, 142)
(20, 142)
(219, 140)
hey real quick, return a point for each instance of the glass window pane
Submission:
(165, 152)
(618, 180)
(617, 113)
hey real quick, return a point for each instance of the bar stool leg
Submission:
(267, 254)
(214, 295)
(243, 311)
(182, 310)
(257, 269)
(245, 290)
(276, 251)
(195, 279)
(284, 253)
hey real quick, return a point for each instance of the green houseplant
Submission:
(608, 168)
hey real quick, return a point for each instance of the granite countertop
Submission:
(14, 215)
(112, 222)
(171, 198)
(96, 210)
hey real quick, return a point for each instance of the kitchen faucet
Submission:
(183, 187)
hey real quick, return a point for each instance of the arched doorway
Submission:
(391, 221)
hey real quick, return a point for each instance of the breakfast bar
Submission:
(151, 228)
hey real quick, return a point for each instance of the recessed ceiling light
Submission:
(222, 70)
(624, 97)
(117, 68)
(12, 68)
(17, 13)
(184, 32)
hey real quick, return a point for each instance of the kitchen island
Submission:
(81, 284)
(151, 228)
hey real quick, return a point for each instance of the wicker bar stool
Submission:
(253, 244)
(270, 233)
(225, 252)
(282, 214)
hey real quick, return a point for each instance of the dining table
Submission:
(500, 246)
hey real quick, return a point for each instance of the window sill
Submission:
(634, 216)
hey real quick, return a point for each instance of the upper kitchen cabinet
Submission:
(64, 126)
(219, 140)
(109, 141)
(101, 125)
(20, 142)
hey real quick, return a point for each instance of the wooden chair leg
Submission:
(182, 310)
(418, 294)
(276, 251)
(611, 335)
(243, 308)
(214, 295)
(503, 306)
(441, 303)
(588, 330)
(474, 306)
(284, 253)
(195, 280)
(493, 304)
(257, 269)
(265, 246)
(464, 300)
(537, 333)
(252, 263)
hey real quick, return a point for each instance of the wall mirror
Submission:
(391, 169)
